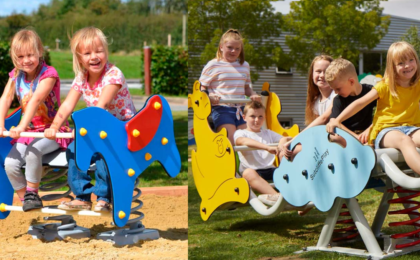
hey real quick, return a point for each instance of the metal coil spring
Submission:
(346, 233)
(51, 174)
(135, 210)
(409, 211)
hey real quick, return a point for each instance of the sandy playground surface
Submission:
(167, 214)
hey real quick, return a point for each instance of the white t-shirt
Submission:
(257, 159)
(320, 107)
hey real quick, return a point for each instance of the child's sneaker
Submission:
(102, 206)
(269, 199)
(31, 201)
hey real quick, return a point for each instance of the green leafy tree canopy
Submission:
(412, 37)
(335, 27)
(256, 20)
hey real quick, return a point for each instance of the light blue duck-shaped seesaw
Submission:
(324, 170)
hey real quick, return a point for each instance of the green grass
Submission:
(62, 61)
(244, 234)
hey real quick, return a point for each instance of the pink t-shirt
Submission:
(46, 110)
(121, 106)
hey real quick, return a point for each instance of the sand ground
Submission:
(167, 214)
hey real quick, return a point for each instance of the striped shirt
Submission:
(226, 79)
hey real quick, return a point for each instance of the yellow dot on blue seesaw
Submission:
(164, 141)
(83, 131)
(136, 133)
(3, 207)
(157, 105)
(103, 134)
(121, 214)
(148, 156)
(131, 172)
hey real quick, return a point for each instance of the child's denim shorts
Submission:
(407, 130)
(226, 115)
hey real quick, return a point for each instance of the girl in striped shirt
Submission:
(228, 77)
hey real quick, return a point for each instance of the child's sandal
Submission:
(68, 205)
(102, 206)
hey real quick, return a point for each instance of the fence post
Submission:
(147, 75)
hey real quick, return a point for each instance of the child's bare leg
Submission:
(415, 136)
(21, 193)
(257, 183)
(230, 131)
(404, 143)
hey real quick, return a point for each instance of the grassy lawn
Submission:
(62, 61)
(244, 234)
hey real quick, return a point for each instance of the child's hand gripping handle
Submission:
(40, 135)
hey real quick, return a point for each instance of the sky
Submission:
(403, 8)
(20, 6)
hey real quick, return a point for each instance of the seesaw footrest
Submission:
(129, 236)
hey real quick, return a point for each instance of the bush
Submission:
(169, 70)
(6, 64)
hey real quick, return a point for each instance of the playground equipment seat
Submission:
(330, 175)
(127, 147)
(214, 164)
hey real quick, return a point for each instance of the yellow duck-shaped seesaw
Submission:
(213, 164)
(273, 109)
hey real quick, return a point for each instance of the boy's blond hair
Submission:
(85, 36)
(253, 105)
(231, 34)
(397, 52)
(338, 68)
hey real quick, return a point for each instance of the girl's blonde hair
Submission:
(231, 34)
(85, 36)
(25, 40)
(397, 52)
(313, 91)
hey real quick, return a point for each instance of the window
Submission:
(286, 122)
(282, 71)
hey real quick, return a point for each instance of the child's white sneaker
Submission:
(269, 199)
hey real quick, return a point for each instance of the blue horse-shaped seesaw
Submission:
(128, 148)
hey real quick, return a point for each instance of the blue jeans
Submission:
(79, 181)
(407, 130)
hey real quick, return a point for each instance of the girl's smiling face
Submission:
(231, 50)
(28, 61)
(405, 70)
(93, 57)
(319, 69)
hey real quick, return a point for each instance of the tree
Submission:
(412, 37)
(17, 22)
(256, 20)
(335, 27)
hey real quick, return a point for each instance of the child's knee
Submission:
(12, 167)
(249, 174)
